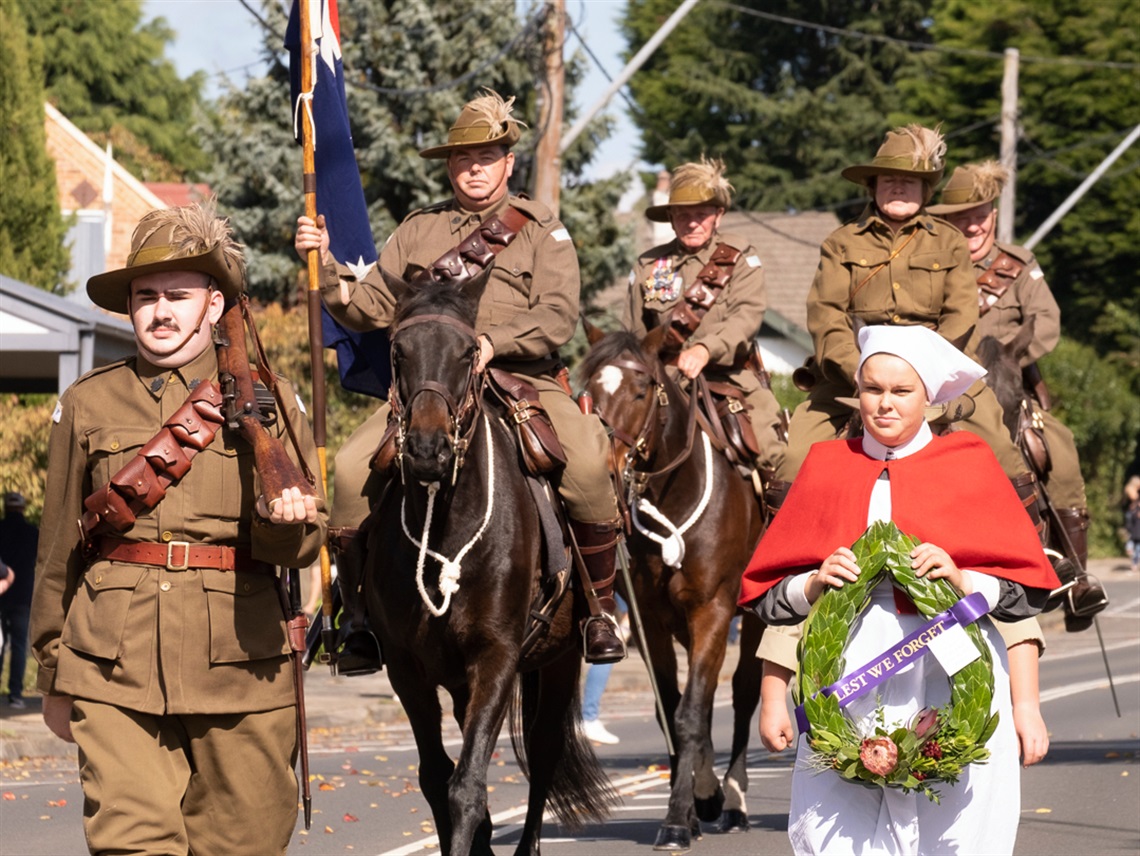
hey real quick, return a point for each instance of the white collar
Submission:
(872, 448)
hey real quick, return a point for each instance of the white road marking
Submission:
(1087, 686)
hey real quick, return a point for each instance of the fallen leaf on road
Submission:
(381, 757)
(348, 818)
(328, 830)
(8, 795)
(1111, 754)
(1043, 811)
(45, 817)
(325, 786)
(57, 803)
(1124, 772)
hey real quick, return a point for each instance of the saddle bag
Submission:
(384, 459)
(539, 446)
(732, 412)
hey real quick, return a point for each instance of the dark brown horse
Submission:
(687, 587)
(1003, 373)
(455, 552)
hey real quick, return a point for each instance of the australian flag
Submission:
(363, 358)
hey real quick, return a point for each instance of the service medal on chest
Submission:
(664, 284)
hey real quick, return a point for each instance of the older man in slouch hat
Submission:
(708, 287)
(1012, 292)
(528, 310)
(157, 622)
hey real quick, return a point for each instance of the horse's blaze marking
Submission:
(610, 378)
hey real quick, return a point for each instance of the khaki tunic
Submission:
(146, 638)
(529, 310)
(869, 274)
(1029, 297)
(727, 329)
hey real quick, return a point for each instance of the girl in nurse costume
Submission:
(951, 494)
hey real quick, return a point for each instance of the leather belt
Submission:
(180, 555)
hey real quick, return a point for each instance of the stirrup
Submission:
(358, 652)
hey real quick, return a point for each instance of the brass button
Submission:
(166, 536)
(165, 586)
(98, 579)
(862, 261)
(896, 319)
(114, 445)
(896, 286)
(935, 265)
(246, 587)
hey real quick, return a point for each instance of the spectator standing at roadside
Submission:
(18, 542)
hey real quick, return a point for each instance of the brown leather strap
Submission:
(701, 295)
(180, 555)
(476, 252)
(996, 280)
(141, 484)
(894, 255)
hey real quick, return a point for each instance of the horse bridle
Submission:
(643, 446)
(461, 413)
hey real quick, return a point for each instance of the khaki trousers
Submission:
(1064, 481)
(585, 484)
(822, 417)
(203, 784)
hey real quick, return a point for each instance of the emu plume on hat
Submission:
(484, 121)
(945, 371)
(970, 186)
(911, 150)
(700, 183)
(190, 238)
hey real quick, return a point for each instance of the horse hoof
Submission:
(709, 808)
(733, 820)
(675, 839)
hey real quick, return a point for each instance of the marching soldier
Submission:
(708, 287)
(896, 265)
(158, 626)
(528, 310)
(1011, 292)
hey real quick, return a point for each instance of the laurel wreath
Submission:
(938, 744)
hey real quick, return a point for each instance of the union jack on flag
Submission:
(362, 358)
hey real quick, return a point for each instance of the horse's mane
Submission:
(607, 349)
(437, 299)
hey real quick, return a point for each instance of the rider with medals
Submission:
(1012, 292)
(528, 310)
(707, 287)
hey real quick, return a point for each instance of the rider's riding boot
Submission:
(775, 493)
(358, 650)
(598, 542)
(1087, 597)
(1030, 495)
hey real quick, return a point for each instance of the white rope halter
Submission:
(449, 569)
(673, 546)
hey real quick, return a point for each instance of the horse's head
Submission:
(435, 389)
(630, 388)
(1002, 361)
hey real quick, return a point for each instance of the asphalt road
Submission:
(1084, 798)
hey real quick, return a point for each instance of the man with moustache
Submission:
(157, 624)
(1012, 292)
(528, 310)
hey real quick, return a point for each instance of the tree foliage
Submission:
(31, 229)
(106, 72)
(393, 51)
(786, 107)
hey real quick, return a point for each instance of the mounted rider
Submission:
(707, 287)
(528, 310)
(1012, 292)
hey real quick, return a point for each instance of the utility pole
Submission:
(547, 156)
(1007, 207)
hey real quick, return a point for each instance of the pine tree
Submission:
(31, 229)
(105, 71)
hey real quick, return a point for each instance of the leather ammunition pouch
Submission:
(996, 280)
(1031, 440)
(1034, 385)
(686, 316)
(141, 484)
(384, 460)
(539, 447)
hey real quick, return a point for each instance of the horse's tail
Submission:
(579, 791)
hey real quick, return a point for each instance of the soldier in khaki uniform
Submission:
(895, 264)
(1011, 291)
(722, 340)
(528, 310)
(161, 645)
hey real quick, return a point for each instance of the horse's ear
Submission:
(653, 343)
(473, 289)
(594, 333)
(1020, 343)
(963, 340)
(397, 285)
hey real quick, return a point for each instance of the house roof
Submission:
(177, 194)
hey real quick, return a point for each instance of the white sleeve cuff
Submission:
(797, 600)
(989, 587)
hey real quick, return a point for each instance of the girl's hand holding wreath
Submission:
(930, 559)
(840, 566)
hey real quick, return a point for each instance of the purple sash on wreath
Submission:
(861, 681)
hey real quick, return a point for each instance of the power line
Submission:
(856, 34)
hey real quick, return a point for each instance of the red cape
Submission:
(953, 493)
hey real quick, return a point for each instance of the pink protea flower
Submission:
(924, 723)
(879, 755)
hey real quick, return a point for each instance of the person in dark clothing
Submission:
(18, 542)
